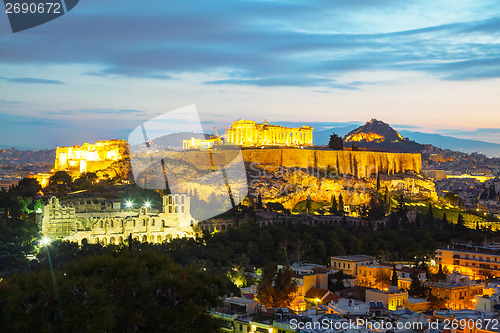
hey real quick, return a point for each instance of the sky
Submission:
(105, 67)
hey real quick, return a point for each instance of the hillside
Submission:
(378, 135)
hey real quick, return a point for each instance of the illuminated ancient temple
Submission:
(248, 133)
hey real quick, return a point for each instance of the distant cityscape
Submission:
(371, 183)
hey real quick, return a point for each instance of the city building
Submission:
(392, 299)
(309, 276)
(114, 225)
(348, 307)
(349, 264)
(476, 261)
(458, 291)
(248, 133)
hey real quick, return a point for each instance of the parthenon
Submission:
(248, 133)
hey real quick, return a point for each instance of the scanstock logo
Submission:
(26, 14)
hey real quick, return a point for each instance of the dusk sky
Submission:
(107, 66)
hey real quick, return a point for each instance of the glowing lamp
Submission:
(128, 204)
(45, 241)
(147, 204)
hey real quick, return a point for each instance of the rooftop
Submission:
(355, 257)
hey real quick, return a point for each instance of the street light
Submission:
(147, 204)
(45, 241)
(128, 204)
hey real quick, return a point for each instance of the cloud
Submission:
(267, 43)
(7, 102)
(283, 82)
(97, 111)
(32, 80)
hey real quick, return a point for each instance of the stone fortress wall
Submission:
(355, 163)
(113, 227)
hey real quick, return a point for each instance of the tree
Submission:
(444, 220)
(259, 201)
(341, 205)
(382, 280)
(429, 217)
(277, 288)
(440, 275)
(416, 287)
(27, 187)
(18, 239)
(61, 181)
(336, 142)
(460, 221)
(339, 280)
(115, 292)
(308, 203)
(394, 278)
(333, 206)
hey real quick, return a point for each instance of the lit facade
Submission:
(113, 227)
(349, 264)
(248, 133)
(474, 261)
(392, 299)
(458, 291)
(194, 143)
(90, 157)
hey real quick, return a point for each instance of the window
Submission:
(143, 222)
(112, 224)
(101, 224)
(182, 208)
(182, 200)
(153, 222)
(170, 209)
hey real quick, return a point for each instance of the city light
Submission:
(128, 204)
(147, 204)
(45, 241)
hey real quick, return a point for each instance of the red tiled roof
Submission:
(316, 293)
(248, 295)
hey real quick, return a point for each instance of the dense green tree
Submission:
(341, 205)
(27, 187)
(120, 292)
(336, 142)
(429, 217)
(394, 277)
(277, 287)
(460, 221)
(333, 206)
(18, 239)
